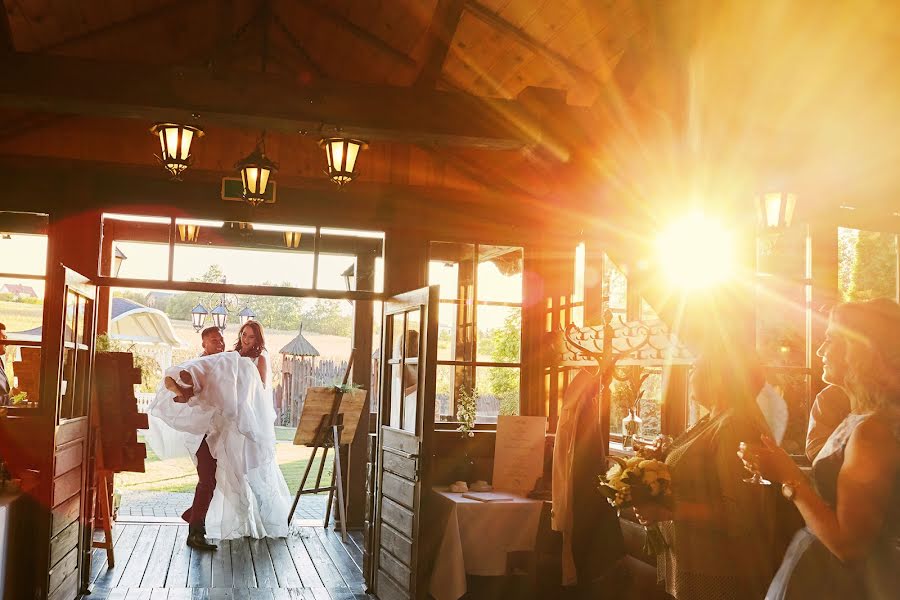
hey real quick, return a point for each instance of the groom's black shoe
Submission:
(198, 542)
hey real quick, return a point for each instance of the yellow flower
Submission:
(650, 476)
(633, 461)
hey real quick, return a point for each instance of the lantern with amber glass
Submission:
(776, 210)
(175, 145)
(256, 171)
(188, 232)
(292, 239)
(341, 154)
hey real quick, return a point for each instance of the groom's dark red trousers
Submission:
(206, 473)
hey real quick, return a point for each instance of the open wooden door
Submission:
(62, 536)
(405, 434)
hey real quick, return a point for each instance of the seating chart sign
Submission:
(519, 453)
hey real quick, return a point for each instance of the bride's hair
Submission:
(870, 331)
(260, 345)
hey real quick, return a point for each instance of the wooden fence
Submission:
(296, 377)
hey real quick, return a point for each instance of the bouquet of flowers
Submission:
(639, 480)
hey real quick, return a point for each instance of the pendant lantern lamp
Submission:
(246, 314)
(175, 145)
(220, 316)
(292, 239)
(776, 210)
(188, 232)
(198, 316)
(256, 171)
(341, 154)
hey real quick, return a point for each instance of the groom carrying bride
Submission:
(216, 409)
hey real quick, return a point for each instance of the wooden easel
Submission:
(328, 435)
(104, 478)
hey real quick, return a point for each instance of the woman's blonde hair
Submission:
(871, 332)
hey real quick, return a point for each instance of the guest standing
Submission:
(850, 547)
(720, 533)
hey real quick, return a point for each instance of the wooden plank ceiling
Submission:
(781, 93)
(497, 47)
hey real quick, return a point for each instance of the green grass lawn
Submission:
(180, 475)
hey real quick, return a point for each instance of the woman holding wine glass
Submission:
(720, 531)
(850, 547)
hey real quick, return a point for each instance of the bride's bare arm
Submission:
(261, 365)
(864, 485)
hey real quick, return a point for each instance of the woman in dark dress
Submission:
(720, 531)
(849, 547)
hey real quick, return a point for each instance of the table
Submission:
(478, 537)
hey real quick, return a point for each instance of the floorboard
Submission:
(153, 562)
(222, 577)
(263, 565)
(180, 561)
(158, 567)
(109, 578)
(285, 570)
(242, 564)
(140, 558)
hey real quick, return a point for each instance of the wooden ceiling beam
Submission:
(70, 85)
(358, 32)
(298, 47)
(491, 18)
(441, 32)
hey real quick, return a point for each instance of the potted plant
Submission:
(627, 395)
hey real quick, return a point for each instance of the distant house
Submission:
(18, 290)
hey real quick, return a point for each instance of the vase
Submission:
(631, 429)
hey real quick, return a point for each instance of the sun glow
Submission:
(696, 252)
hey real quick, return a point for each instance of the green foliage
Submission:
(276, 312)
(151, 371)
(505, 346)
(131, 295)
(874, 271)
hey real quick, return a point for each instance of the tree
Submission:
(505, 347)
(874, 272)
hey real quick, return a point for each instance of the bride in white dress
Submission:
(228, 398)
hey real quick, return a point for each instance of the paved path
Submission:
(172, 504)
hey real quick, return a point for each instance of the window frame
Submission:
(474, 363)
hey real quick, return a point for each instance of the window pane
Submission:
(348, 258)
(498, 392)
(451, 266)
(213, 263)
(23, 316)
(867, 266)
(447, 332)
(396, 336)
(499, 334)
(396, 395)
(139, 247)
(615, 286)
(578, 286)
(499, 274)
(443, 396)
(24, 254)
(650, 405)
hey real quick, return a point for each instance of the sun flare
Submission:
(696, 252)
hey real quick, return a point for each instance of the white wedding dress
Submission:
(234, 411)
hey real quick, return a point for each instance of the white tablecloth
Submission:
(477, 539)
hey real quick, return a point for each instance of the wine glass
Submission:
(749, 459)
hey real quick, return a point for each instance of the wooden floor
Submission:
(154, 563)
